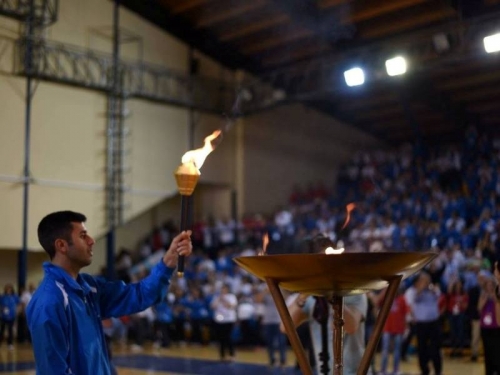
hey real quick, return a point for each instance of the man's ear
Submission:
(61, 246)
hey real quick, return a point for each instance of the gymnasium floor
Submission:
(197, 360)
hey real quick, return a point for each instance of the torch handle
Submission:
(185, 203)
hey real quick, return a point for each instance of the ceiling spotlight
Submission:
(354, 77)
(396, 66)
(492, 43)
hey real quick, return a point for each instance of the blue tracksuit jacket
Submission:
(64, 317)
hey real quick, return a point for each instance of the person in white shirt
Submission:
(224, 308)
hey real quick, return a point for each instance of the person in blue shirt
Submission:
(164, 321)
(64, 316)
(9, 303)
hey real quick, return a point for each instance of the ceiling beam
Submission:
(204, 40)
(378, 113)
(422, 89)
(474, 80)
(327, 25)
(477, 94)
(484, 107)
(325, 4)
(393, 123)
(231, 12)
(264, 45)
(397, 25)
(186, 5)
(379, 8)
(254, 27)
(279, 57)
(490, 120)
(375, 99)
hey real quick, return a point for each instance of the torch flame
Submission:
(265, 242)
(349, 208)
(198, 156)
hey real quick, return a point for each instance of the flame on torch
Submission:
(349, 208)
(265, 242)
(188, 173)
(198, 156)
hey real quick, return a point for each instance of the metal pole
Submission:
(111, 143)
(192, 120)
(28, 63)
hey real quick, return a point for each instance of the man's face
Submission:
(80, 248)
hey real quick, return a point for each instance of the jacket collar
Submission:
(57, 273)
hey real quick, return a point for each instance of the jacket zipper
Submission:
(87, 307)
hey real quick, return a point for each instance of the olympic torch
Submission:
(187, 176)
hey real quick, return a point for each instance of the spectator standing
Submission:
(426, 314)
(457, 301)
(489, 309)
(197, 314)
(473, 316)
(164, 321)
(394, 329)
(9, 304)
(275, 339)
(22, 326)
(224, 311)
(409, 295)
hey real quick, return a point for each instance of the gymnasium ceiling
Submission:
(451, 81)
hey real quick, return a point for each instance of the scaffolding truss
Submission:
(44, 11)
(63, 63)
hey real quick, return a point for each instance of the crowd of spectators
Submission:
(411, 198)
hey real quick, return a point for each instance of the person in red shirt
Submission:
(456, 305)
(394, 329)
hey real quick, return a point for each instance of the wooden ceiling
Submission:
(443, 91)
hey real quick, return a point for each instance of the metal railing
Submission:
(44, 11)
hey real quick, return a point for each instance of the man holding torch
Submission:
(64, 316)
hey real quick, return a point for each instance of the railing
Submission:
(44, 11)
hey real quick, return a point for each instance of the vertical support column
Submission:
(112, 178)
(28, 63)
(192, 69)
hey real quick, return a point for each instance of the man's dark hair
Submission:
(57, 225)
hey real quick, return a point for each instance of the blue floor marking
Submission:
(194, 366)
(16, 366)
(173, 364)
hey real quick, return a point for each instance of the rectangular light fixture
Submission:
(492, 43)
(354, 77)
(396, 66)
